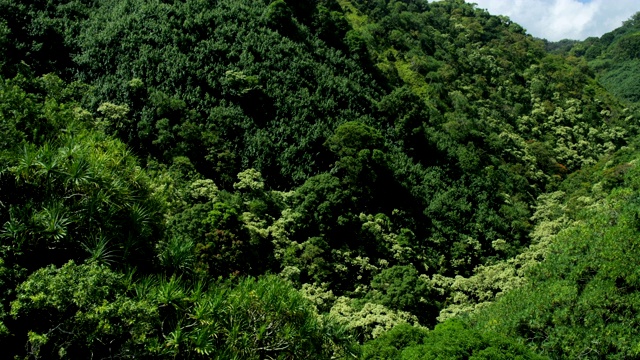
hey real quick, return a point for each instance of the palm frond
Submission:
(99, 251)
(145, 287)
(46, 161)
(175, 340)
(26, 162)
(52, 222)
(77, 174)
(170, 292)
(177, 253)
(14, 230)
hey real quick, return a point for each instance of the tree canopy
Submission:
(284, 179)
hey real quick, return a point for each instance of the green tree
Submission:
(80, 311)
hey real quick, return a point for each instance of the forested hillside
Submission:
(615, 58)
(253, 179)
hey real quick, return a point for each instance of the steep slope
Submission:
(615, 58)
(573, 294)
(582, 300)
(82, 271)
(369, 152)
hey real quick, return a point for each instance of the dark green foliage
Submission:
(34, 35)
(401, 287)
(373, 153)
(439, 112)
(254, 89)
(559, 47)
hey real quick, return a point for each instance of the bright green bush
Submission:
(450, 340)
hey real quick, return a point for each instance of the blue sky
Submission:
(564, 19)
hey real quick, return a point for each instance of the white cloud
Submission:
(564, 19)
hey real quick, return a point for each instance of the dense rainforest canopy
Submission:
(256, 179)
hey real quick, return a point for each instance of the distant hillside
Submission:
(615, 57)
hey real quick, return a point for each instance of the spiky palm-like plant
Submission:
(52, 222)
(99, 250)
(177, 254)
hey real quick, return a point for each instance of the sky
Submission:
(564, 19)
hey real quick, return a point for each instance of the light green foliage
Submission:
(550, 216)
(280, 232)
(241, 83)
(449, 340)
(204, 189)
(352, 137)
(355, 18)
(69, 175)
(318, 295)
(621, 79)
(368, 320)
(80, 190)
(578, 302)
(85, 309)
(171, 184)
(249, 180)
(489, 282)
(114, 115)
(397, 244)
(90, 310)
(455, 340)
(220, 233)
(255, 319)
(578, 143)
